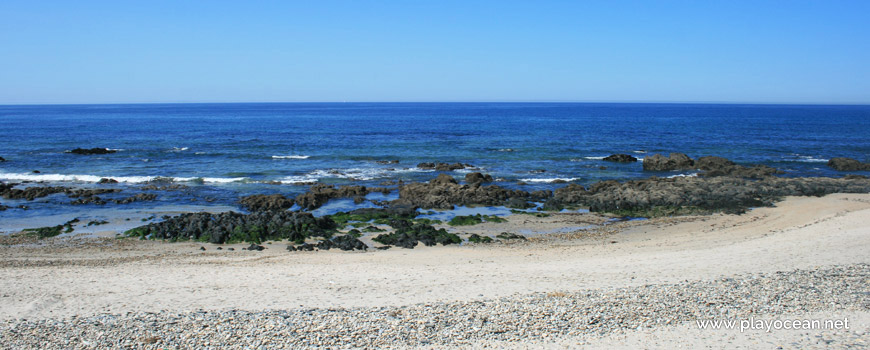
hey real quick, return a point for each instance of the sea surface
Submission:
(225, 151)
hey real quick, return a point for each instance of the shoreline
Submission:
(110, 276)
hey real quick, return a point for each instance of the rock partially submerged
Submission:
(319, 194)
(444, 192)
(8, 191)
(718, 166)
(847, 164)
(444, 166)
(674, 161)
(620, 158)
(89, 151)
(408, 234)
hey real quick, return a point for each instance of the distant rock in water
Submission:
(674, 161)
(444, 166)
(847, 164)
(2, 159)
(620, 158)
(718, 166)
(106, 180)
(97, 150)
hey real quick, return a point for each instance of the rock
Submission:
(510, 235)
(847, 164)
(201, 248)
(88, 200)
(85, 151)
(258, 248)
(235, 227)
(477, 178)
(443, 179)
(718, 166)
(444, 166)
(854, 177)
(8, 191)
(259, 202)
(713, 163)
(519, 203)
(620, 158)
(137, 198)
(407, 235)
(387, 162)
(348, 243)
(674, 161)
(319, 194)
(79, 193)
(475, 238)
(444, 192)
(107, 181)
(2, 159)
(36, 172)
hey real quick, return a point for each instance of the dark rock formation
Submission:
(106, 180)
(88, 200)
(2, 159)
(718, 166)
(85, 193)
(344, 242)
(847, 164)
(443, 193)
(260, 202)
(86, 151)
(319, 194)
(477, 178)
(620, 158)
(407, 234)
(235, 227)
(444, 166)
(141, 197)
(30, 193)
(674, 161)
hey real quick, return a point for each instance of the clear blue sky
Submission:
(234, 51)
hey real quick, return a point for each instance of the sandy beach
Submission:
(62, 281)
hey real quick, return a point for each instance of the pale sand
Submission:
(801, 232)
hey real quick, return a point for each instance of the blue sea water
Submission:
(224, 151)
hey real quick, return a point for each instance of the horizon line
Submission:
(470, 102)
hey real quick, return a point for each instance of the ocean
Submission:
(225, 151)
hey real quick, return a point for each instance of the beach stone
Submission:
(847, 164)
(620, 158)
(89, 151)
(674, 161)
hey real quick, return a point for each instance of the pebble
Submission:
(531, 318)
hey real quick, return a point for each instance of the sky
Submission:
(427, 51)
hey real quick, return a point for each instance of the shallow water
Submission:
(225, 151)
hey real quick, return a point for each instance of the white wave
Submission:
(547, 180)
(506, 150)
(291, 157)
(809, 159)
(639, 159)
(594, 158)
(639, 151)
(178, 149)
(682, 175)
(363, 174)
(96, 178)
(198, 153)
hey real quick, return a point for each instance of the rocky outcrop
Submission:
(8, 191)
(408, 234)
(718, 166)
(674, 161)
(847, 164)
(444, 166)
(141, 197)
(476, 178)
(90, 151)
(319, 194)
(443, 192)
(235, 227)
(2, 159)
(620, 158)
(260, 202)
